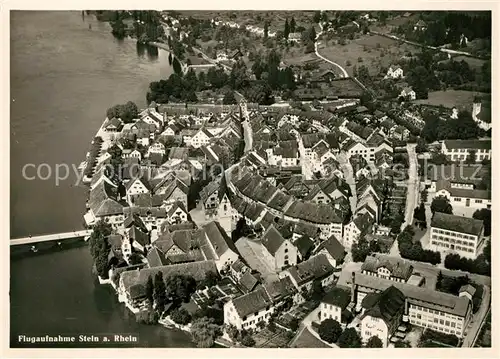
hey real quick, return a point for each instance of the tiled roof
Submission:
(102, 200)
(219, 240)
(252, 302)
(314, 268)
(338, 297)
(272, 240)
(138, 236)
(457, 223)
(462, 192)
(363, 222)
(306, 229)
(418, 295)
(468, 144)
(248, 281)
(333, 247)
(399, 268)
(316, 213)
(156, 258)
(386, 305)
(280, 289)
(304, 245)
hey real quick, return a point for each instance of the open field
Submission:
(450, 98)
(474, 63)
(375, 51)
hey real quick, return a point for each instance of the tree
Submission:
(100, 248)
(374, 342)
(349, 339)
(159, 293)
(471, 158)
(294, 324)
(149, 289)
(247, 341)
(229, 98)
(329, 330)
(286, 31)
(484, 215)
(292, 25)
(180, 288)
(317, 17)
(441, 204)
(204, 332)
(180, 316)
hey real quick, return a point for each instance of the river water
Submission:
(64, 75)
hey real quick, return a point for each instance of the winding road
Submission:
(316, 45)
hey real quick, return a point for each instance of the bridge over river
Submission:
(50, 237)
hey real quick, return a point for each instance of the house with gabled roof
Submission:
(408, 93)
(357, 228)
(281, 251)
(387, 267)
(105, 204)
(333, 250)
(333, 304)
(136, 186)
(177, 213)
(218, 246)
(316, 268)
(246, 311)
(113, 125)
(394, 72)
(382, 314)
(202, 137)
(138, 239)
(237, 269)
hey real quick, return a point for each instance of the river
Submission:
(64, 75)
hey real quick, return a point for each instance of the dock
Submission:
(50, 237)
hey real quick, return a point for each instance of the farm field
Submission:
(450, 98)
(375, 52)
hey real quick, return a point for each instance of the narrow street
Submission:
(412, 193)
(477, 320)
(349, 178)
(307, 171)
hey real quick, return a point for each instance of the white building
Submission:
(216, 245)
(456, 234)
(200, 138)
(333, 304)
(357, 228)
(394, 72)
(459, 150)
(408, 93)
(246, 311)
(423, 307)
(464, 196)
(382, 314)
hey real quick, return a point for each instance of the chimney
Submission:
(353, 287)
